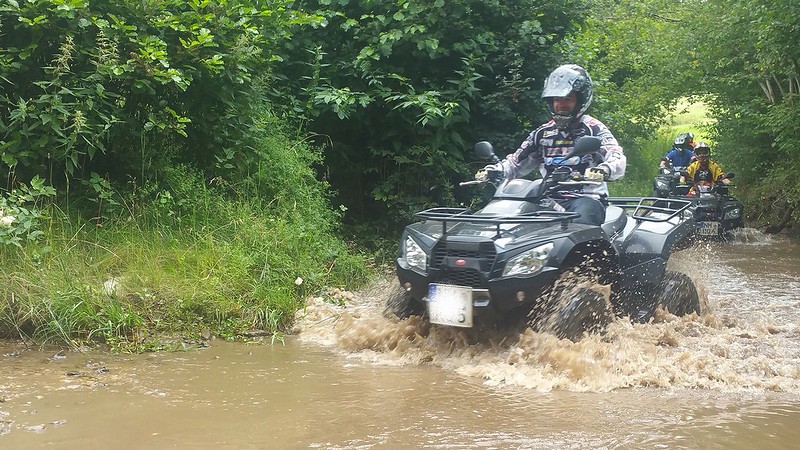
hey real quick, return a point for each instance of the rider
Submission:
(680, 155)
(704, 171)
(568, 91)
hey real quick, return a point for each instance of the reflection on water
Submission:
(351, 378)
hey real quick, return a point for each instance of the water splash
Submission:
(721, 349)
(751, 236)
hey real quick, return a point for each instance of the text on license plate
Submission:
(450, 305)
(708, 228)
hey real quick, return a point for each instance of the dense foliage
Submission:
(129, 87)
(400, 91)
(182, 201)
(739, 57)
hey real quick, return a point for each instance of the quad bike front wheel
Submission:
(677, 294)
(575, 307)
(401, 304)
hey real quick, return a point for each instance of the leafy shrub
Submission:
(20, 213)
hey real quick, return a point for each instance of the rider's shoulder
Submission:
(591, 121)
(594, 126)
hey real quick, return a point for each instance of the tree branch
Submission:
(780, 85)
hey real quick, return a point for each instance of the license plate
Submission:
(708, 228)
(450, 305)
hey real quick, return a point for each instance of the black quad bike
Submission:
(670, 182)
(518, 259)
(717, 213)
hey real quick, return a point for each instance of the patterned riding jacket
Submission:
(546, 147)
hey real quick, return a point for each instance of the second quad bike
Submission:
(717, 213)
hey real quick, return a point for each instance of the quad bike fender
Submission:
(644, 272)
(643, 241)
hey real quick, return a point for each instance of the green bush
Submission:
(184, 254)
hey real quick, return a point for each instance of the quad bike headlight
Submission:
(528, 262)
(414, 255)
(734, 213)
(662, 184)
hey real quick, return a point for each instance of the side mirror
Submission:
(485, 150)
(729, 175)
(584, 145)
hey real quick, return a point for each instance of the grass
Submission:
(688, 116)
(174, 261)
(135, 288)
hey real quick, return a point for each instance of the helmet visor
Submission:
(702, 153)
(558, 86)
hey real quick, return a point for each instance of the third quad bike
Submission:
(517, 257)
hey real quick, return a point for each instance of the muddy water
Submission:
(352, 379)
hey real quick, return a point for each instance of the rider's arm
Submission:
(527, 157)
(613, 156)
(690, 172)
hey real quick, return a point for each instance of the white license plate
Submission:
(450, 305)
(708, 228)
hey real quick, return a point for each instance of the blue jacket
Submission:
(680, 157)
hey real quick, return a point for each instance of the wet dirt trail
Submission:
(353, 379)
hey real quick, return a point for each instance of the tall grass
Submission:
(183, 257)
(644, 156)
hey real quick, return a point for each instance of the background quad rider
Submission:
(680, 155)
(703, 171)
(568, 91)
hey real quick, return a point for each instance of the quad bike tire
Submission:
(402, 305)
(677, 294)
(575, 309)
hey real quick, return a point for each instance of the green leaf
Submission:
(9, 159)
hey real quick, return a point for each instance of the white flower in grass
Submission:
(298, 281)
(7, 220)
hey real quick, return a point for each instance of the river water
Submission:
(349, 378)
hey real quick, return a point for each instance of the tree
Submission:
(738, 56)
(128, 87)
(401, 89)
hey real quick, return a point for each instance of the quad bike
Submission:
(519, 259)
(670, 181)
(717, 214)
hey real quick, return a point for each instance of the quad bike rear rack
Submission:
(646, 208)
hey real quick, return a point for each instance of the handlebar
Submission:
(580, 183)
(576, 181)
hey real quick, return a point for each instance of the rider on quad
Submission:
(704, 172)
(568, 91)
(680, 155)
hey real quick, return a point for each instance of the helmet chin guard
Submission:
(564, 122)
